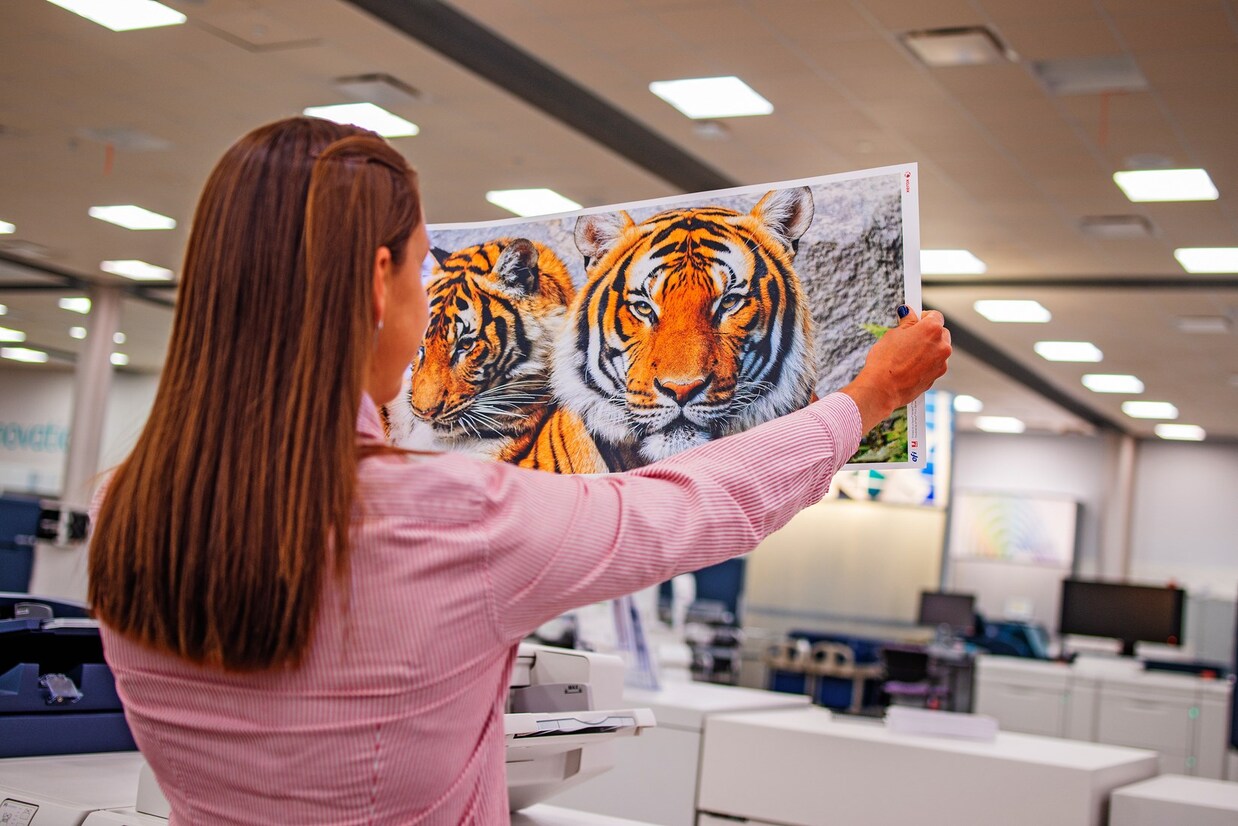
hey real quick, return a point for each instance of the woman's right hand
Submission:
(900, 366)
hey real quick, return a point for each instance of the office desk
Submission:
(803, 768)
(1172, 798)
(655, 775)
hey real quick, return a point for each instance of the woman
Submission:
(306, 626)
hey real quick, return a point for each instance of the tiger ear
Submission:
(787, 213)
(596, 234)
(440, 255)
(517, 266)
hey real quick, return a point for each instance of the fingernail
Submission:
(903, 310)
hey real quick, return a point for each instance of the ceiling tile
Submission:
(1178, 30)
(899, 15)
(1054, 39)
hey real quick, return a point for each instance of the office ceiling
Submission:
(1008, 170)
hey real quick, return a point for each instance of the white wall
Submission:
(847, 567)
(1185, 520)
(35, 413)
(1079, 467)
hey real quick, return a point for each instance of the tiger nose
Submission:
(682, 391)
(428, 413)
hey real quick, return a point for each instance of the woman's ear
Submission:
(382, 273)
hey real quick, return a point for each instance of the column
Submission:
(91, 383)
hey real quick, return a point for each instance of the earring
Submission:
(378, 328)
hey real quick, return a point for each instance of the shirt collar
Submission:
(369, 423)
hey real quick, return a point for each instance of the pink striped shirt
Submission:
(397, 714)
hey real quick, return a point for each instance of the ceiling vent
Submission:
(1090, 75)
(378, 88)
(959, 46)
(1116, 227)
(1205, 324)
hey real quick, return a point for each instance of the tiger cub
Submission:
(691, 325)
(481, 381)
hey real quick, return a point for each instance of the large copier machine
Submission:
(564, 707)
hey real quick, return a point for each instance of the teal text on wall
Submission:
(47, 437)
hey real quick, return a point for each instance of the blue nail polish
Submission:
(903, 310)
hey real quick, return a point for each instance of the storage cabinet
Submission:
(1181, 717)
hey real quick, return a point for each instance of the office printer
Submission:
(563, 707)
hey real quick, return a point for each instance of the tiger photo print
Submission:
(481, 382)
(690, 326)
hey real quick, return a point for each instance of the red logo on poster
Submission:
(907, 180)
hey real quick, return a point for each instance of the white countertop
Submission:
(1029, 748)
(1194, 791)
(100, 781)
(543, 815)
(684, 704)
(1117, 672)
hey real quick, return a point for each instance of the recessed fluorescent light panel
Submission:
(529, 202)
(1141, 185)
(10, 335)
(1112, 383)
(964, 403)
(1014, 311)
(76, 304)
(23, 354)
(367, 116)
(119, 359)
(1068, 351)
(78, 333)
(4, 310)
(136, 270)
(6, 228)
(1000, 424)
(950, 262)
(123, 15)
(1207, 259)
(1150, 410)
(1181, 432)
(132, 217)
(712, 97)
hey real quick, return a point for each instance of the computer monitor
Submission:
(955, 610)
(1130, 613)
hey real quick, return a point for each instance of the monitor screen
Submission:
(955, 610)
(1129, 613)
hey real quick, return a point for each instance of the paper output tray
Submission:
(540, 734)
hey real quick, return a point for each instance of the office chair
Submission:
(909, 679)
(786, 666)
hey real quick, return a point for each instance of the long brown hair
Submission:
(215, 533)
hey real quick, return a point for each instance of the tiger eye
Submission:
(642, 308)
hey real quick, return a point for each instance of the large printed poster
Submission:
(606, 339)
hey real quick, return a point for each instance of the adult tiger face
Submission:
(691, 325)
(495, 310)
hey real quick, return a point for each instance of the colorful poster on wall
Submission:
(608, 338)
(1015, 528)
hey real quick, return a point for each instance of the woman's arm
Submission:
(558, 542)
